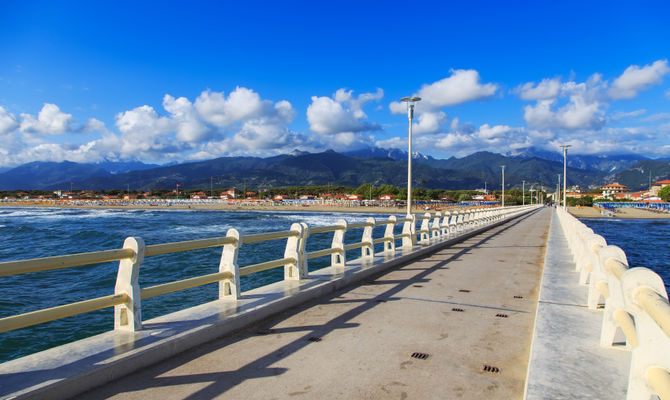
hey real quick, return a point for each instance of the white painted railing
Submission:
(128, 295)
(635, 301)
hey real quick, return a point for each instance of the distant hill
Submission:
(636, 177)
(286, 170)
(610, 163)
(378, 152)
(372, 165)
(119, 167)
(52, 175)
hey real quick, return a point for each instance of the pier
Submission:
(515, 302)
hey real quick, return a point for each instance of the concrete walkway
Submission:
(567, 361)
(465, 307)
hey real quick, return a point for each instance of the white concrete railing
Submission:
(128, 295)
(636, 302)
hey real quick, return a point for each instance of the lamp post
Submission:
(531, 194)
(503, 185)
(523, 193)
(558, 189)
(565, 170)
(410, 114)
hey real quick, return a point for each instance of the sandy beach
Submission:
(230, 207)
(632, 213)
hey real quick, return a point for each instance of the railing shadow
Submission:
(218, 383)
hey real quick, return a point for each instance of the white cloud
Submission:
(635, 79)
(621, 114)
(190, 128)
(8, 122)
(492, 133)
(657, 117)
(429, 122)
(461, 87)
(582, 110)
(340, 120)
(242, 104)
(546, 89)
(144, 133)
(50, 120)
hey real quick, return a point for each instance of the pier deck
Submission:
(358, 342)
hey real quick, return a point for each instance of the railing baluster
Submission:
(128, 316)
(229, 289)
(389, 234)
(368, 250)
(295, 248)
(339, 259)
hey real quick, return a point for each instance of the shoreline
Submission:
(623, 213)
(228, 207)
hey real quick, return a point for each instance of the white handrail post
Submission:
(295, 248)
(653, 348)
(229, 289)
(409, 228)
(425, 228)
(389, 235)
(368, 249)
(435, 229)
(339, 259)
(444, 225)
(128, 316)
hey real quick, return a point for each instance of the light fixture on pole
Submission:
(523, 193)
(565, 170)
(410, 115)
(503, 185)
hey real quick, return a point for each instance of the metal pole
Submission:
(503, 185)
(523, 193)
(565, 171)
(565, 181)
(410, 114)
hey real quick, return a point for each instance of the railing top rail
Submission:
(360, 225)
(323, 229)
(164, 248)
(8, 268)
(260, 237)
(655, 305)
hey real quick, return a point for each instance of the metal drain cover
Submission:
(420, 356)
(314, 339)
(457, 309)
(491, 369)
(502, 315)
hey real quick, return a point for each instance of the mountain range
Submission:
(372, 165)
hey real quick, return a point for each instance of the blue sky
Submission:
(162, 81)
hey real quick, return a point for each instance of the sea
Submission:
(43, 232)
(645, 241)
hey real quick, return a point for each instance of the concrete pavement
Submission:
(470, 308)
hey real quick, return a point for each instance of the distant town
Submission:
(365, 194)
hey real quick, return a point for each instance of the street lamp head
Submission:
(410, 105)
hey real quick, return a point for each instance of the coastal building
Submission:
(614, 191)
(485, 197)
(354, 197)
(387, 197)
(657, 186)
